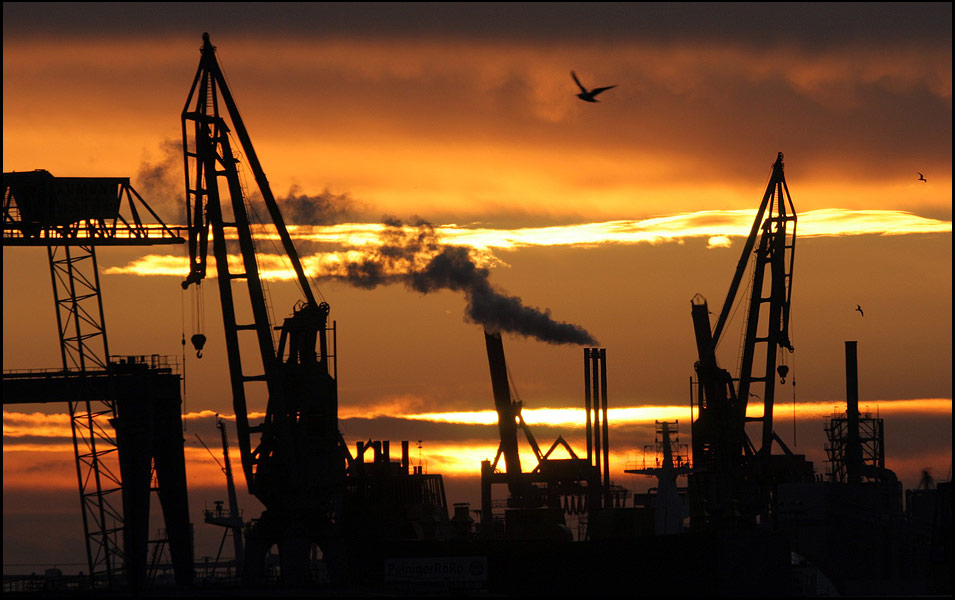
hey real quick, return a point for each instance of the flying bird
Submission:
(859, 308)
(922, 177)
(588, 96)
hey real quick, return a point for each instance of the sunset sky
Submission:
(610, 216)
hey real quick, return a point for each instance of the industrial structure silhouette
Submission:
(364, 521)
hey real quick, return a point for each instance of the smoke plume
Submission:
(326, 208)
(417, 259)
(161, 183)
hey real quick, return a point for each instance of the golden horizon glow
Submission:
(16, 424)
(448, 458)
(719, 227)
(455, 458)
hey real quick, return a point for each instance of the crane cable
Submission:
(182, 323)
(288, 261)
(793, 376)
(198, 319)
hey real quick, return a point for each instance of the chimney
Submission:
(853, 444)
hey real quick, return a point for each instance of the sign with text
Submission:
(448, 569)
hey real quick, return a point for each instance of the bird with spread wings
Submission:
(588, 95)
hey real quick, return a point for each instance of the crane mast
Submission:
(296, 469)
(725, 458)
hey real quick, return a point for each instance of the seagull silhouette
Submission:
(922, 177)
(859, 308)
(588, 96)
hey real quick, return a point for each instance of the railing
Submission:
(87, 233)
(117, 362)
(50, 584)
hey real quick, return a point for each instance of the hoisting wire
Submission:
(793, 360)
(275, 249)
(182, 323)
(198, 320)
(311, 280)
(254, 219)
(732, 318)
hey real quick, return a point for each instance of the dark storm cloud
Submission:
(812, 24)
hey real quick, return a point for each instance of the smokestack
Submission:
(853, 444)
(590, 441)
(606, 425)
(595, 364)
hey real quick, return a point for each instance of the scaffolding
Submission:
(871, 439)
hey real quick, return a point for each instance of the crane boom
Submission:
(721, 446)
(297, 469)
(507, 411)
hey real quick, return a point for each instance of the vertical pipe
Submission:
(691, 399)
(487, 517)
(594, 361)
(853, 445)
(404, 456)
(606, 426)
(587, 404)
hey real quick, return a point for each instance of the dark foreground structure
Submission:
(751, 521)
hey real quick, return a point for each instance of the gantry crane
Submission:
(124, 411)
(296, 467)
(733, 476)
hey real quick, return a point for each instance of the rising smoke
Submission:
(160, 183)
(415, 257)
(326, 208)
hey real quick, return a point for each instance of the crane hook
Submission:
(783, 370)
(198, 341)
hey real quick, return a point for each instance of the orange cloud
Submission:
(16, 424)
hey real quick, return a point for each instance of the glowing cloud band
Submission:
(350, 240)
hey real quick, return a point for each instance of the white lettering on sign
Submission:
(446, 569)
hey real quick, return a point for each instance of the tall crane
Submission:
(296, 468)
(731, 472)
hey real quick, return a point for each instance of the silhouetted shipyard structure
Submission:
(230, 519)
(667, 500)
(856, 441)
(124, 410)
(295, 461)
(539, 501)
(744, 515)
